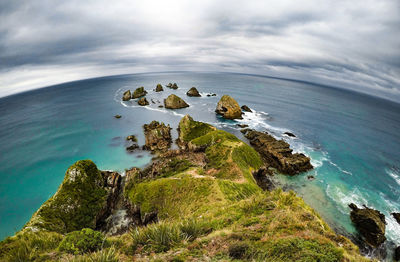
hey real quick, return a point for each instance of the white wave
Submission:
(392, 174)
(343, 197)
(392, 227)
(166, 111)
(340, 169)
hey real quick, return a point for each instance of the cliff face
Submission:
(196, 203)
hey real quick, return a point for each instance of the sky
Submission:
(348, 44)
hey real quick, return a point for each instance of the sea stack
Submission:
(158, 136)
(139, 92)
(159, 88)
(174, 102)
(127, 95)
(143, 101)
(370, 223)
(193, 92)
(229, 108)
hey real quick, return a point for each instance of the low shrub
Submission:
(86, 240)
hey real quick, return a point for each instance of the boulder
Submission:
(246, 108)
(127, 95)
(143, 101)
(158, 136)
(169, 85)
(174, 102)
(228, 108)
(132, 147)
(159, 88)
(397, 217)
(263, 179)
(117, 116)
(277, 153)
(370, 223)
(139, 92)
(174, 86)
(397, 254)
(242, 125)
(81, 201)
(131, 138)
(193, 92)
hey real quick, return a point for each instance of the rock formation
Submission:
(242, 125)
(228, 108)
(174, 102)
(143, 101)
(127, 95)
(159, 88)
(289, 134)
(370, 223)
(397, 217)
(117, 116)
(397, 254)
(263, 179)
(158, 136)
(174, 86)
(193, 92)
(246, 108)
(277, 153)
(139, 92)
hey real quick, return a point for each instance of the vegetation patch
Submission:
(86, 240)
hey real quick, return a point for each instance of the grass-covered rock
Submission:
(139, 92)
(174, 102)
(76, 203)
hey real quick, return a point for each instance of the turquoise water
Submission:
(353, 139)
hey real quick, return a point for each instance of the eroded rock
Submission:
(159, 88)
(158, 136)
(277, 153)
(174, 102)
(397, 217)
(263, 179)
(228, 108)
(139, 92)
(193, 92)
(143, 101)
(370, 223)
(127, 95)
(246, 108)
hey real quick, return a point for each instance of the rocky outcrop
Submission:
(158, 136)
(370, 223)
(263, 179)
(143, 101)
(81, 201)
(289, 134)
(397, 217)
(246, 108)
(277, 153)
(174, 102)
(242, 125)
(131, 138)
(193, 92)
(127, 95)
(117, 116)
(159, 88)
(397, 254)
(139, 92)
(228, 108)
(172, 86)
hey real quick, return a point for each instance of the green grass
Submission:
(190, 129)
(85, 240)
(175, 166)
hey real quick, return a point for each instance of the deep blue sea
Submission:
(353, 139)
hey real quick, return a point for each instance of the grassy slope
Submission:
(213, 213)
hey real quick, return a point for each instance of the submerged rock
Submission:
(127, 95)
(246, 108)
(169, 85)
(159, 88)
(143, 101)
(242, 125)
(131, 138)
(228, 108)
(174, 102)
(289, 134)
(139, 92)
(397, 217)
(81, 201)
(158, 136)
(132, 147)
(277, 153)
(370, 223)
(117, 116)
(193, 92)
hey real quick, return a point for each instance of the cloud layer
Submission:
(349, 44)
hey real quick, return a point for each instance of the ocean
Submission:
(353, 139)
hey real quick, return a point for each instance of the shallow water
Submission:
(353, 139)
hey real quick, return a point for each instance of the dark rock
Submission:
(228, 108)
(397, 217)
(127, 96)
(143, 101)
(149, 218)
(131, 138)
(242, 125)
(208, 94)
(193, 92)
(370, 223)
(214, 95)
(139, 92)
(263, 179)
(174, 102)
(238, 250)
(289, 134)
(159, 88)
(160, 106)
(310, 177)
(132, 147)
(169, 85)
(277, 153)
(244, 131)
(118, 116)
(158, 136)
(397, 254)
(174, 86)
(246, 108)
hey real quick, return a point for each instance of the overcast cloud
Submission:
(349, 44)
